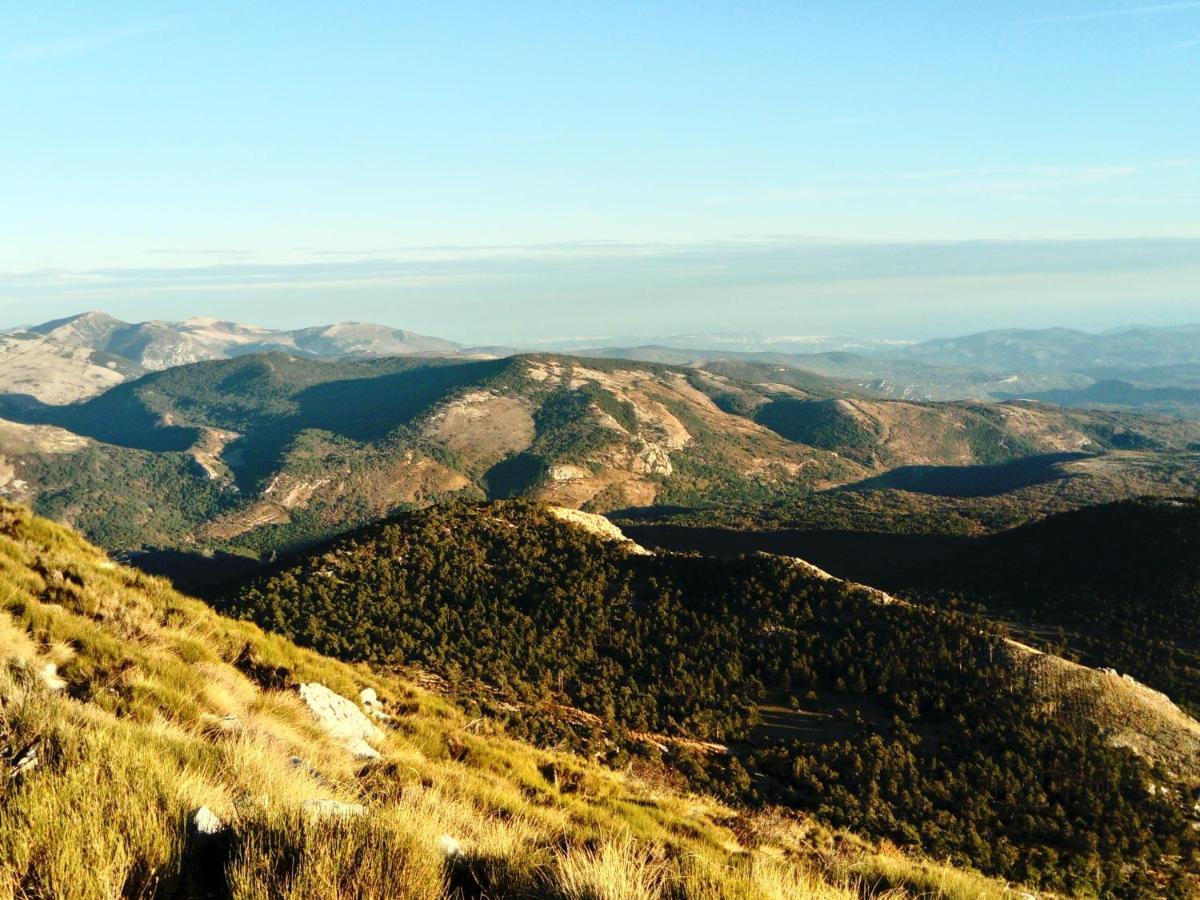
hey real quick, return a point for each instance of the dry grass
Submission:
(156, 721)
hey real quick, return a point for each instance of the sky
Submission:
(499, 173)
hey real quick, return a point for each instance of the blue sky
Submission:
(493, 172)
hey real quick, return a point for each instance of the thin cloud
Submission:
(783, 287)
(1148, 10)
(77, 45)
(751, 261)
(1054, 174)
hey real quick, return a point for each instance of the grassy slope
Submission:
(141, 737)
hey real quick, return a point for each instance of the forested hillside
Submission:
(918, 725)
(1118, 584)
(270, 451)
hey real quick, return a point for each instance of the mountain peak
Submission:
(91, 318)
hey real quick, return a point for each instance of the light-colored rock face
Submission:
(365, 339)
(50, 677)
(597, 525)
(54, 362)
(51, 372)
(342, 719)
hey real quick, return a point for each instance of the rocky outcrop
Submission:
(597, 525)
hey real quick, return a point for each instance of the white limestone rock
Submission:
(342, 719)
(51, 679)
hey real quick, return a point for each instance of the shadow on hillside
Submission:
(362, 409)
(869, 557)
(969, 481)
(648, 512)
(1113, 392)
(198, 574)
(513, 476)
(358, 409)
(115, 417)
(13, 406)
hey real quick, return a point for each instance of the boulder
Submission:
(25, 762)
(370, 702)
(342, 719)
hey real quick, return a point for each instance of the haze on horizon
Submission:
(508, 174)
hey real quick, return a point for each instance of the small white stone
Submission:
(205, 821)
(51, 678)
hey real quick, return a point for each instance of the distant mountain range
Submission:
(266, 439)
(1153, 369)
(70, 359)
(1062, 349)
(1003, 350)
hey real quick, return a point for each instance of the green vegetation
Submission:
(127, 498)
(269, 452)
(819, 423)
(621, 410)
(269, 400)
(991, 441)
(169, 707)
(931, 737)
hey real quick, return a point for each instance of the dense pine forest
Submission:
(927, 735)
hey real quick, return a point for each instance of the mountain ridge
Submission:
(265, 449)
(76, 357)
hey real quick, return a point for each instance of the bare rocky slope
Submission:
(37, 369)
